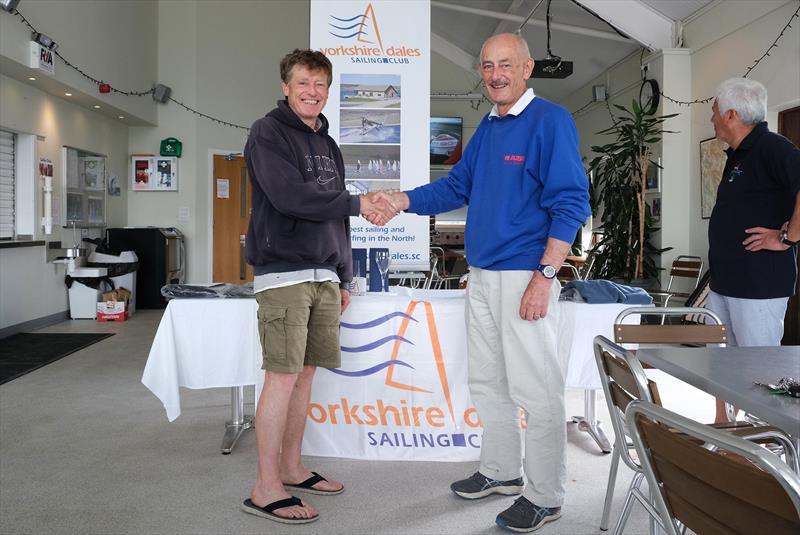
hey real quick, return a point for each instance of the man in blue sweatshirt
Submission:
(298, 242)
(527, 192)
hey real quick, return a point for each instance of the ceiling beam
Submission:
(452, 52)
(534, 22)
(637, 19)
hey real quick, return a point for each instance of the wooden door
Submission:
(231, 216)
(789, 126)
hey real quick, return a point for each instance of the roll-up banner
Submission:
(379, 109)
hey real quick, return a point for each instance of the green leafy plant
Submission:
(620, 171)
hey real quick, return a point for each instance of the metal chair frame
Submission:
(686, 267)
(695, 435)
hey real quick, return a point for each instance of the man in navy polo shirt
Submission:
(756, 219)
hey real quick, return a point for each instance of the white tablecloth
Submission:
(208, 343)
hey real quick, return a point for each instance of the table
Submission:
(728, 373)
(207, 343)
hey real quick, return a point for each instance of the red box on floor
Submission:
(112, 311)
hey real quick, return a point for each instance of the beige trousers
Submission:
(513, 364)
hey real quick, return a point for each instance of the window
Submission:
(85, 177)
(7, 181)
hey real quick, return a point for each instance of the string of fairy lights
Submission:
(474, 105)
(97, 82)
(750, 69)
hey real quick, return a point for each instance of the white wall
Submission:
(113, 39)
(223, 62)
(724, 43)
(30, 288)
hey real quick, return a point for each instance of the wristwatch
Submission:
(784, 237)
(547, 270)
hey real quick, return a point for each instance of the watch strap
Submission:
(784, 237)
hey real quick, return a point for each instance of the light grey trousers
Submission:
(513, 364)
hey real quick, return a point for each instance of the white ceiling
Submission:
(459, 27)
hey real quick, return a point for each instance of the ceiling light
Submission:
(121, 117)
(97, 106)
(67, 94)
(31, 78)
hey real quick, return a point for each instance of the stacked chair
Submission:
(710, 481)
(624, 381)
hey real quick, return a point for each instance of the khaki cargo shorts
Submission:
(299, 325)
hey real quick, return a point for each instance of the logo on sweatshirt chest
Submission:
(322, 167)
(514, 159)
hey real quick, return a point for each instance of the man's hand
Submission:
(377, 208)
(536, 298)
(345, 298)
(761, 239)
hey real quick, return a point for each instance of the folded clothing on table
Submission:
(604, 291)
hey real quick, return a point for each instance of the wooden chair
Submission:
(736, 488)
(684, 268)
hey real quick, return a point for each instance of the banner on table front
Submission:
(401, 392)
(379, 108)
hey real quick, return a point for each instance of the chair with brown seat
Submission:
(735, 488)
(684, 272)
(623, 380)
(618, 376)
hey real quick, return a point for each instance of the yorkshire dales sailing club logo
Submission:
(363, 43)
(420, 421)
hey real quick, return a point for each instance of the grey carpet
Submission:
(85, 448)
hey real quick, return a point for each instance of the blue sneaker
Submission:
(479, 486)
(525, 516)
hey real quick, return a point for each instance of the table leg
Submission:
(588, 423)
(238, 423)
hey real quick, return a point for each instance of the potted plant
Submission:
(620, 170)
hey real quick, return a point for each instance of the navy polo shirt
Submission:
(758, 189)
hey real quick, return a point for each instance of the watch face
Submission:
(548, 271)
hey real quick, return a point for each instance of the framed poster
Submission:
(712, 163)
(154, 173)
(652, 182)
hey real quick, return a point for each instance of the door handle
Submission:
(242, 268)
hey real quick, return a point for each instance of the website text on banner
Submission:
(379, 109)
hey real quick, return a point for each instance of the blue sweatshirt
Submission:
(524, 182)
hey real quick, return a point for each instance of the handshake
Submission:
(379, 207)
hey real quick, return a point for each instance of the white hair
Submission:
(747, 98)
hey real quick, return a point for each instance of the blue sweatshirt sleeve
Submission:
(565, 193)
(450, 192)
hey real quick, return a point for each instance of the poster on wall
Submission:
(149, 173)
(379, 109)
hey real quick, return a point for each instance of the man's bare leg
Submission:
(271, 422)
(291, 465)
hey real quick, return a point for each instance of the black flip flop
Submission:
(308, 486)
(267, 511)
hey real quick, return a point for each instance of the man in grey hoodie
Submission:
(298, 243)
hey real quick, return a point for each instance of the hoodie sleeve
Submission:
(274, 169)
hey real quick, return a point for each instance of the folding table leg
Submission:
(238, 423)
(588, 423)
